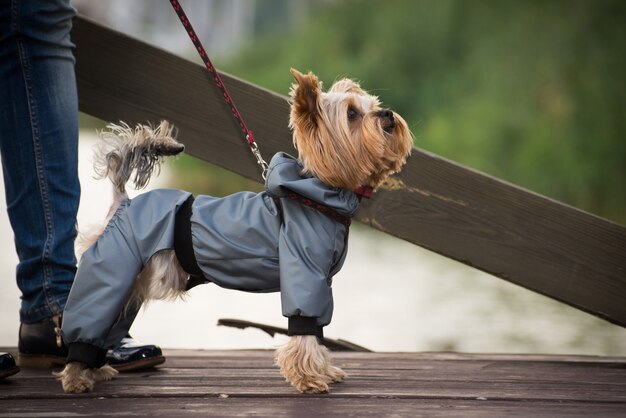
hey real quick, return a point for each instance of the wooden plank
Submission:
(215, 383)
(163, 384)
(215, 406)
(251, 373)
(514, 234)
(254, 356)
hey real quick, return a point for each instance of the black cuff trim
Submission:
(304, 325)
(91, 355)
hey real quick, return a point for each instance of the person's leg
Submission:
(39, 149)
(39, 146)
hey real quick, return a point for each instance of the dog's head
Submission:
(344, 136)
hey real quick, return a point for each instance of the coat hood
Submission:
(285, 174)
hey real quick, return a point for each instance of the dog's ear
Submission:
(305, 96)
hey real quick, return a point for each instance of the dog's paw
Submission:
(306, 365)
(306, 384)
(79, 384)
(335, 374)
(320, 382)
(104, 373)
(76, 378)
(75, 382)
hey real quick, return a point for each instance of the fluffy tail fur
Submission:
(124, 151)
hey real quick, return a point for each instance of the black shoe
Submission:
(131, 355)
(40, 346)
(7, 365)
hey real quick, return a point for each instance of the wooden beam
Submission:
(517, 235)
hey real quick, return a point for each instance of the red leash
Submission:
(363, 191)
(220, 85)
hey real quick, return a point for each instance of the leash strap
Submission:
(323, 209)
(363, 191)
(220, 85)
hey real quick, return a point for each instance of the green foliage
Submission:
(531, 92)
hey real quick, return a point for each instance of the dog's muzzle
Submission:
(388, 122)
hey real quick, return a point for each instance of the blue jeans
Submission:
(39, 147)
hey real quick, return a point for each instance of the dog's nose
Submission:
(387, 121)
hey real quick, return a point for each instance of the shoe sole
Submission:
(38, 361)
(145, 363)
(9, 372)
(33, 361)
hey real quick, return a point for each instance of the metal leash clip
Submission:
(259, 158)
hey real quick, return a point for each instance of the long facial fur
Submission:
(339, 151)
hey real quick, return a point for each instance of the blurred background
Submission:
(532, 92)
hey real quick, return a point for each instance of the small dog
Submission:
(291, 238)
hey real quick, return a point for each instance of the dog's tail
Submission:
(124, 152)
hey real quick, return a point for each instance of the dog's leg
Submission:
(306, 365)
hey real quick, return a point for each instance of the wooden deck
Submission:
(245, 383)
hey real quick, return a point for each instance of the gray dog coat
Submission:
(256, 242)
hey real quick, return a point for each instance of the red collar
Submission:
(363, 192)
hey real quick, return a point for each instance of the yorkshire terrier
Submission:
(290, 238)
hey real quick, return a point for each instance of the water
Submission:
(390, 296)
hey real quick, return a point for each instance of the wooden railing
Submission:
(514, 234)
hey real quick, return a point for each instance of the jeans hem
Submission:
(43, 312)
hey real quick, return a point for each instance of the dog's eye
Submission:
(352, 114)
